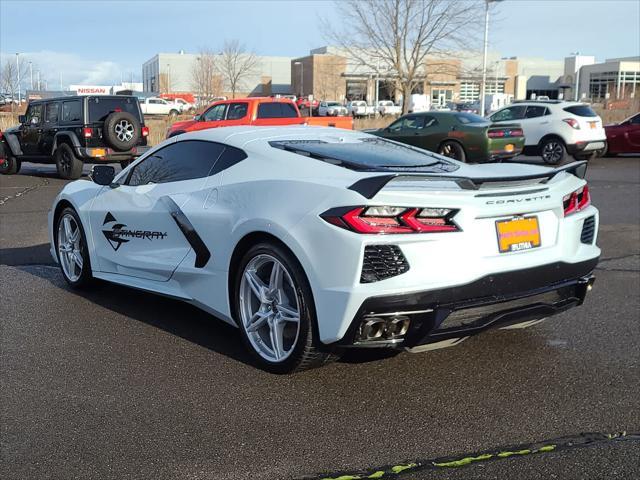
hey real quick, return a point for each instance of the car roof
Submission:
(78, 97)
(252, 136)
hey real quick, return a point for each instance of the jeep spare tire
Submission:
(121, 131)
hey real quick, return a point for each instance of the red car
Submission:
(623, 137)
(303, 102)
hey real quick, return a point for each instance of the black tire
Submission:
(121, 131)
(453, 150)
(306, 352)
(173, 114)
(553, 151)
(85, 278)
(586, 156)
(9, 166)
(68, 165)
(125, 163)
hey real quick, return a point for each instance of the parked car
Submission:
(359, 108)
(387, 107)
(623, 137)
(71, 131)
(158, 106)
(183, 105)
(262, 111)
(332, 109)
(555, 128)
(463, 136)
(315, 243)
(304, 103)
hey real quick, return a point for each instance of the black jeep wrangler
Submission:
(71, 131)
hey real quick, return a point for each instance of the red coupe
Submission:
(623, 137)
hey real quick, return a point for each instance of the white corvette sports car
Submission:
(312, 240)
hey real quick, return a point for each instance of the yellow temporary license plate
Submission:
(509, 147)
(593, 124)
(517, 234)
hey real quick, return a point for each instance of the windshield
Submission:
(368, 154)
(333, 104)
(101, 107)
(464, 117)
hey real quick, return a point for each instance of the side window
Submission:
(34, 114)
(429, 122)
(215, 113)
(177, 162)
(511, 113)
(635, 120)
(237, 111)
(413, 123)
(397, 125)
(535, 111)
(276, 110)
(72, 111)
(51, 113)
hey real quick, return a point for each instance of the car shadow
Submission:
(32, 255)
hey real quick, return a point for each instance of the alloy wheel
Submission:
(552, 152)
(269, 308)
(70, 247)
(124, 130)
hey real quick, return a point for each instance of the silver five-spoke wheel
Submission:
(269, 308)
(552, 152)
(124, 130)
(70, 247)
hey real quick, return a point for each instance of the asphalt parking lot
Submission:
(115, 383)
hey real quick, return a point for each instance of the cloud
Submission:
(74, 68)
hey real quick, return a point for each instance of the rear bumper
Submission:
(495, 300)
(587, 146)
(89, 154)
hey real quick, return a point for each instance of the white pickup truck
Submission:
(359, 108)
(183, 105)
(158, 106)
(387, 107)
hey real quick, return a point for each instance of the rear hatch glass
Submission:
(581, 111)
(368, 154)
(100, 108)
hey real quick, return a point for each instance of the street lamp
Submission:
(168, 78)
(18, 72)
(484, 56)
(31, 73)
(301, 76)
(576, 94)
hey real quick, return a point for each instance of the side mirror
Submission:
(197, 118)
(103, 174)
(22, 118)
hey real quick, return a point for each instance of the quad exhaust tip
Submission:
(380, 329)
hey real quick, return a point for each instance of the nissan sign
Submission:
(91, 89)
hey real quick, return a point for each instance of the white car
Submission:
(555, 128)
(314, 240)
(359, 108)
(183, 105)
(332, 109)
(158, 106)
(387, 107)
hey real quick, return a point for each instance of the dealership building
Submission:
(330, 73)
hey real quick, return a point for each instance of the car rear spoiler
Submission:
(370, 186)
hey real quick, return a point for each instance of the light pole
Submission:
(31, 73)
(577, 92)
(484, 55)
(168, 78)
(301, 76)
(18, 72)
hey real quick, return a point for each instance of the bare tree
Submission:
(397, 36)
(206, 77)
(9, 79)
(236, 64)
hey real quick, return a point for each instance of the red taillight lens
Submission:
(389, 220)
(496, 134)
(145, 131)
(507, 132)
(572, 122)
(576, 201)
(87, 132)
(517, 132)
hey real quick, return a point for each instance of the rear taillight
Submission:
(390, 220)
(87, 132)
(505, 133)
(576, 201)
(145, 131)
(572, 122)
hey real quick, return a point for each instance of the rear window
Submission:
(100, 108)
(465, 117)
(277, 110)
(368, 155)
(581, 110)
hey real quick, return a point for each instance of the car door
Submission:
(632, 134)
(536, 123)
(212, 118)
(138, 226)
(406, 130)
(236, 114)
(50, 127)
(512, 114)
(32, 129)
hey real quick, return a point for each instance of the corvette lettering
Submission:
(517, 200)
(119, 233)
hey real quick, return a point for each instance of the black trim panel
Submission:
(202, 252)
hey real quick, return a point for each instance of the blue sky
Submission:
(97, 42)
